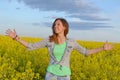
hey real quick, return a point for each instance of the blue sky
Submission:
(96, 20)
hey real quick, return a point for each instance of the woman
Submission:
(60, 48)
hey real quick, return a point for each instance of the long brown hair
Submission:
(54, 36)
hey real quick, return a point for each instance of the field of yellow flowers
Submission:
(17, 63)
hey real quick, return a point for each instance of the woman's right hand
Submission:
(11, 33)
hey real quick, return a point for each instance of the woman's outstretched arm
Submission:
(106, 46)
(86, 52)
(14, 36)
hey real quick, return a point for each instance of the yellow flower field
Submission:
(17, 63)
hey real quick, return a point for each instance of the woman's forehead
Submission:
(58, 21)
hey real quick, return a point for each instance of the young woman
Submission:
(60, 48)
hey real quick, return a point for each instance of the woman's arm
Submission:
(86, 52)
(14, 36)
(30, 46)
(106, 46)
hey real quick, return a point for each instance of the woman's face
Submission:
(58, 27)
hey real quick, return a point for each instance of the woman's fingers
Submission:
(15, 31)
(108, 46)
(9, 31)
(6, 33)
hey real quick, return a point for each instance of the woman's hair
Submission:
(54, 36)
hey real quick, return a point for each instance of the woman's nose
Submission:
(56, 26)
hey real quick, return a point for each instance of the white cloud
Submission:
(81, 10)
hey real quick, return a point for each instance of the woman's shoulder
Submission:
(46, 39)
(71, 40)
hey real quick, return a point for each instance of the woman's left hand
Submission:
(107, 46)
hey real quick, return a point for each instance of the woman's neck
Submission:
(61, 38)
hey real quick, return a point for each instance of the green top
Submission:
(56, 69)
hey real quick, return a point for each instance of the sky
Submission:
(91, 20)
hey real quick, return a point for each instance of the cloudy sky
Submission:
(96, 20)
